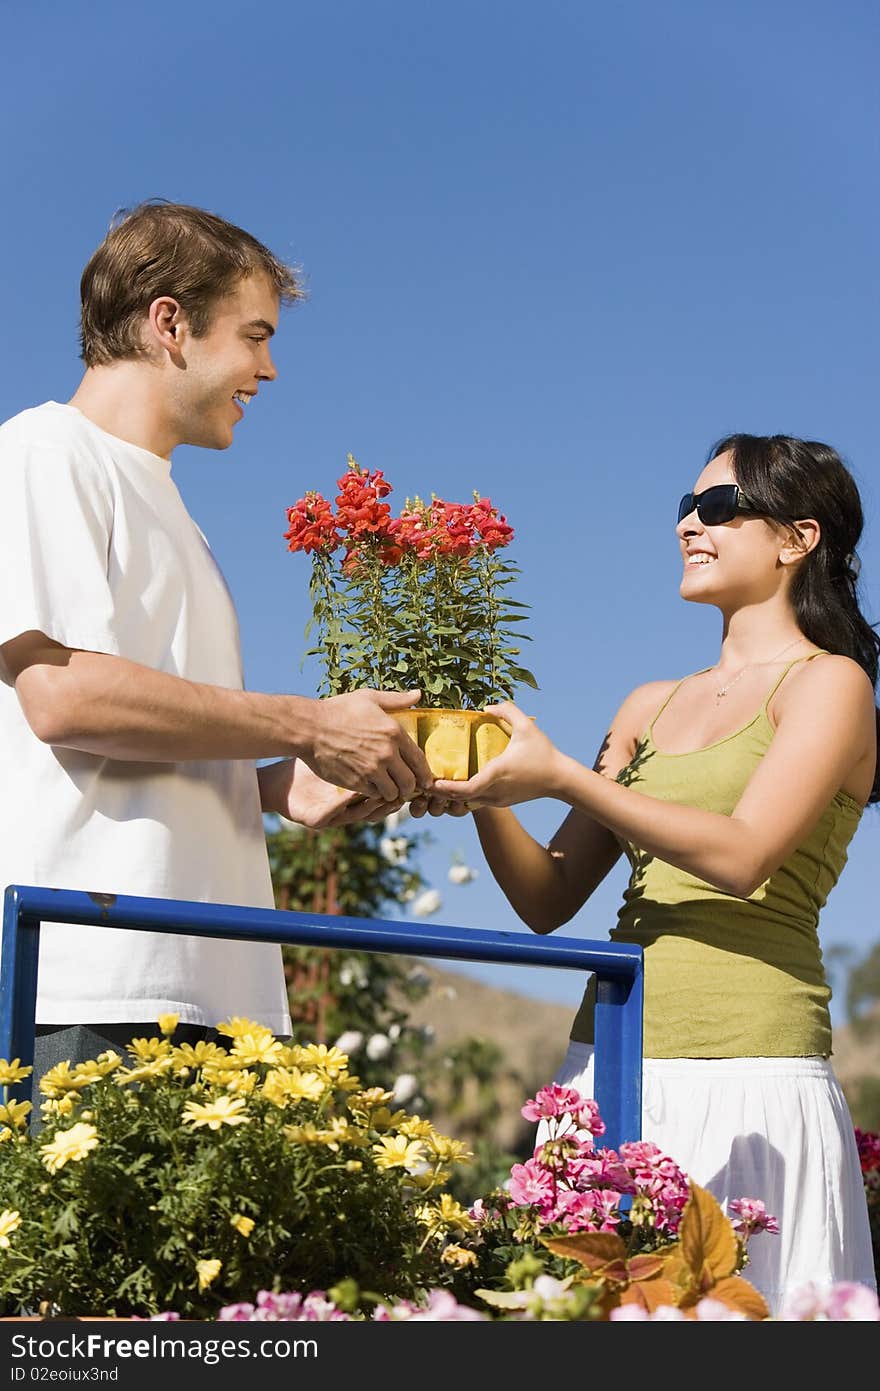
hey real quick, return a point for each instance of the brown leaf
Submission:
(655, 1292)
(645, 1267)
(708, 1241)
(737, 1293)
(677, 1271)
(593, 1249)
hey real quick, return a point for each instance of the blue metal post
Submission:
(618, 967)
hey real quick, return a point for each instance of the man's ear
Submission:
(166, 324)
(802, 537)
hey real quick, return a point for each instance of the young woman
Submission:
(734, 793)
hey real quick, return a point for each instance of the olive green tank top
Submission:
(728, 977)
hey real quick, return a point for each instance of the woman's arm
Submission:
(546, 884)
(824, 731)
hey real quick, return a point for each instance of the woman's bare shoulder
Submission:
(639, 707)
(825, 673)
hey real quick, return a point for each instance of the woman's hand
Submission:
(293, 790)
(436, 806)
(527, 768)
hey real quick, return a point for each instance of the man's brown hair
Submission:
(161, 248)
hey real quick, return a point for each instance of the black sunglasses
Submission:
(715, 505)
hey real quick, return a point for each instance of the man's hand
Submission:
(358, 745)
(294, 791)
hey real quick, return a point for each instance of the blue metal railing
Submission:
(617, 966)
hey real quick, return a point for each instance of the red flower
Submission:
(360, 511)
(414, 531)
(312, 526)
(455, 534)
(868, 1142)
(490, 526)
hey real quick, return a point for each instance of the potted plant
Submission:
(419, 600)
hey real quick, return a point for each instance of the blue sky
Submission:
(553, 252)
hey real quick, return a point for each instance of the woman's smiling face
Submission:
(735, 562)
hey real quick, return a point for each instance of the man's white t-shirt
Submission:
(98, 551)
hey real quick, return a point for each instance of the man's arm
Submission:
(115, 708)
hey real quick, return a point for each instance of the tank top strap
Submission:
(785, 670)
(650, 730)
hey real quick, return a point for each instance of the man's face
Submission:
(229, 362)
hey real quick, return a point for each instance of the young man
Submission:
(127, 741)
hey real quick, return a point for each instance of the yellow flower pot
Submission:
(456, 743)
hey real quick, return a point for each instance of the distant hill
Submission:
(533, 1036)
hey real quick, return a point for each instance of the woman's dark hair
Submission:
(787, 479)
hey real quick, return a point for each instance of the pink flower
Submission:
(270, 1308)
(711, 1310)
(551, 1103)
(530, 1183)
(848, 1300)
(441, 1307)
(601, 1169)
(629, 1313)
(844, 1301)
(587, 1117)
(752, 1216)
(596, 1210)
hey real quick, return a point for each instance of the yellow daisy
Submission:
(15, 1112)
(195, 1054)
(10, 1219)
(330, 1060)
(245, 1225)
(249, 1049)
(223, 1110)
(449, 1151)
(168, 1023)
(397, 1152)
(69, 1145)
(307, 1134)
(240, 1083)
(236, 1027)
(13, 1072)
(207, 1272)
(59, 1080)
(146, 1072)
(416, 1128)
(60, 1106)
(146, 1050)
(458, 1256)
(454, 1215)
(383, 1119)
(371, 1098)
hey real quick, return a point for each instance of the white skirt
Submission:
(778, 1129)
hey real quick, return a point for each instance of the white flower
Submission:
(396, 818)
(427, 903)
(405, 1088)
(353, 973)
(461, 874)
(350, 1041)
(394, 1032)
(378, 1046)
(394, 849)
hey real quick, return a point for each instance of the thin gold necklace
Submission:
(726, 688)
